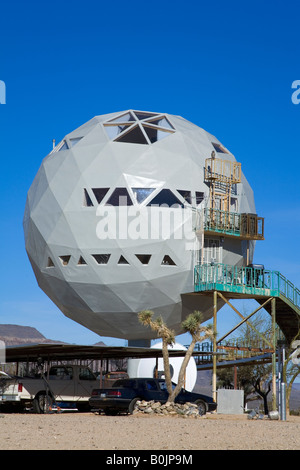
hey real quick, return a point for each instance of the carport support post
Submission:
(273, 311)
(214, 377)
(101, 373)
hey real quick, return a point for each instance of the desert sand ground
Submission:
(89, 431)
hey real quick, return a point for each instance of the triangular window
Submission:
(122, 260)
(167, 261)
(127, 117)
(81, 261)
(64, 147)
(165, 198)
(219, 148)
(133, 136)
(120, 197)
(75, 141)
(187, 195)
(144, 259)
(141, 194)
(141, 115)
(100, 193)
(101, 259)
(50, 263)
(154, 134)
(138, 127)
(161, 122)
(65, 259)
(199, 197)
(87, 202)
(114, 131)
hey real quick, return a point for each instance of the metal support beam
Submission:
(245, 319)
(273, 312)
(214, 376)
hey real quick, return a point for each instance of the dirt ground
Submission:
(89, 431)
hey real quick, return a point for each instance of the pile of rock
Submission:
(172, 409)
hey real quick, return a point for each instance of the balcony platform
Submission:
(233, 224)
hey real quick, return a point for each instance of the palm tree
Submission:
(192, 325)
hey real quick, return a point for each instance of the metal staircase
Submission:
(257, 283)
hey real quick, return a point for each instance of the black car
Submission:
(124, 394)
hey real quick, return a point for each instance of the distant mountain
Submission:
(14, 335)
(17, 334)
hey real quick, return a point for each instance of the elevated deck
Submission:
(237, 282)
(233, 224)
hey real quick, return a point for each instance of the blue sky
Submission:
(226, 66)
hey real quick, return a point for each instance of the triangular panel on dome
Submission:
(141, 194)
(219, 148)
(50, 263)
(114, 130)
(165, 198)
(154, 133)
(187, 195)
(144, 259)
(101, 258)
(167, 261)
(134, 135)
(144, 115)
(120, 197)
(162, 121)
(100, 193)
(87, 202)
(199, 197)
(74, 141)
(65, 259)
(64, 147)
(126, 117)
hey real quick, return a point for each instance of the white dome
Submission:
(146, 367)
(97, 247)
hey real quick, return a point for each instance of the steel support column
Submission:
(214, 376)
(273, 311)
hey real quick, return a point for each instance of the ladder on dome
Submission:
(218, 219)
(221, 175)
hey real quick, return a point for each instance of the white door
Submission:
(212, 251)
(212, 257)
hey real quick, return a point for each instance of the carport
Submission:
(49, 352)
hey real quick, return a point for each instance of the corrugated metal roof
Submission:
(71, 351)
(58, 351)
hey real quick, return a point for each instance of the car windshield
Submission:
(124, 384)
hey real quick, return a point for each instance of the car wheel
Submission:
(42, 403)
(201, 407)
(132, 405)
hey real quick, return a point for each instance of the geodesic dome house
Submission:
(121, 211)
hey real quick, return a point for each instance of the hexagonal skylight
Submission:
(138, 127)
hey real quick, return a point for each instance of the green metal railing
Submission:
(245, 280)
(233, 223)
